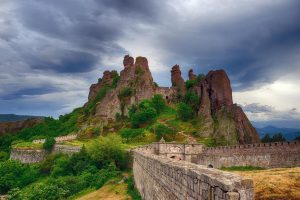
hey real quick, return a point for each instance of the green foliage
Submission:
(91, 107)
(242, 168)
(129, 133)
(146, 111)
(161, 130)
(131, 190)
(189, 84)
(49, 143)
(116, 78)
(125, 92)
(13, 174)
(276, 138)
(158, 103)
(200, 77)
(15, 194)
(3, 156)
(106, 150)
(185, 112)
(192, 99)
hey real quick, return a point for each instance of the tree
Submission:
(158, 103)
(192, 99)
(106, 150)
(278, 138)
(49, 143)
(266, 138)
(184, 112)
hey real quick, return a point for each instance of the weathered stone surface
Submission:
(38, 155)
(28, 155)
(192, 76)
(177, 80)
(158, 177)
(267, 155)
(222, 119)
(13, 127)
(106, 80)
(128, 61)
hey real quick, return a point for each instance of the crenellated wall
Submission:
(161, 178)
(267, 155)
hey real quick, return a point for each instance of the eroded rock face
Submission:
(106, 80)
(177, 80)
(136, 76)
(192, 76)
(223, 119)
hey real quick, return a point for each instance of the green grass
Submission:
(242, 168)
(27, 145)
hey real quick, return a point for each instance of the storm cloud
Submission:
(58, 48)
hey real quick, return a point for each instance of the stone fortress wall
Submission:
(38, 155)
(267, 155)
(186, 171)
(57, 139)
(157, 177)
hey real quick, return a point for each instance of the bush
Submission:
(161, 130)
(125, 92)
(278, 137)
(106, 150)
(158, 103)
(129, 133)
(49, 143)
(14, 174)
(192, 99)
(3, 156)
(116, 79)
(184, 112)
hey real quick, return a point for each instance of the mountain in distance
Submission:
(13, 117)
(289, 133)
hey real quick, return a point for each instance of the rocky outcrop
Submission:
(223, 119)
(106, 80)
(177, 80)
(192, 76)
(14, 127)
(135, 76)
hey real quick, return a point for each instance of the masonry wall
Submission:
(38, 155)
(268, 155)
(28, 155)
(159, 178)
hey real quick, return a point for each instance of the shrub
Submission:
(158, 103)
(14, 174)
(49, 143)
(116, 79)
(125, 92)
(161, 130)
(184, 112)
(106, 150)
(3, 156)
(190, 84)
(129, 133)
(191, 99)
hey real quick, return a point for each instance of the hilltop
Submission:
(209, 97)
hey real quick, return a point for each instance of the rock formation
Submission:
(177, 80)
(14, 127)
(192, 76)
(221, 119)
(105, 81)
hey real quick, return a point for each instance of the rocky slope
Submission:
(220, 118)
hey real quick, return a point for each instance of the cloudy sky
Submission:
(51, 51)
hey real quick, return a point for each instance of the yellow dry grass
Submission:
(111, 191)
(279, 183)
